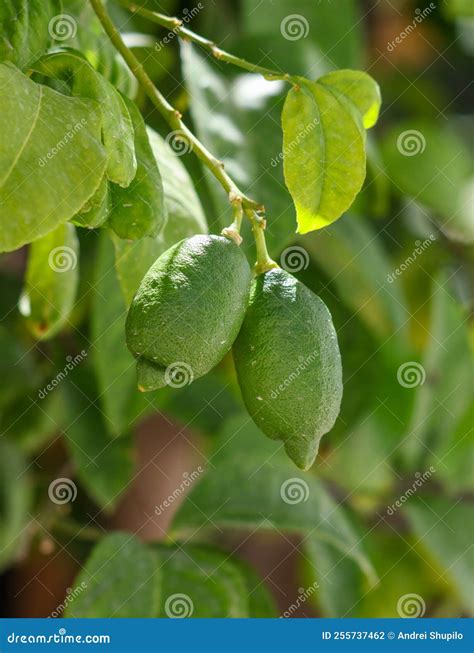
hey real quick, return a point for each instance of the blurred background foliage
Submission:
(391, 305)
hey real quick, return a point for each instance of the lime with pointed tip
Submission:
(188, 311)
(288, 364)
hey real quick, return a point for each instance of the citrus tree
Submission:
(215, 239)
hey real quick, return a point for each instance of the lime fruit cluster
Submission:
(198, 300)
(288, 364)
(188, 311)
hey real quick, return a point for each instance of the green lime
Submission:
(188, 310)
(288, 364)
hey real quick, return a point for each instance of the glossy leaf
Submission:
(51, 281)
(27, 28)
(428, 162)
(15, 501)
(117, 128)
(104, 466)
(185, 218)
(139, 210)
(201, 583)
(271, 494)
(96, 210)
(53, 153)
(324, 155)
(442, 525)
(120, 579)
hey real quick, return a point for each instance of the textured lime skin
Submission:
(188, 308)
(288, 364)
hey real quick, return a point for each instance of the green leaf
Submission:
(15, 501)
(439, 388)
(114, 365)
(202, 583)
(120, 579)
(27, 28)
(17, 364)
(324, 154)
(359, 89)
(51, 281)
(139, 210)
(429, 162)
(96, 210)
(442, 526)
(117, 128)
(53, 154)
(185, 218)
(263, 490)
(243, 133)
(104, 466)
(261, 603)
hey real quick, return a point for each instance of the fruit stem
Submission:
(169, 113)
(264, 262)
(175, 25)
(233, 231)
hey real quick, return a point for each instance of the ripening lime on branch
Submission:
(288, 364)
(188, 309)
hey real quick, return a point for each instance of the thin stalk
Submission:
(169, 113)
(264, 262)
(176, 26)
